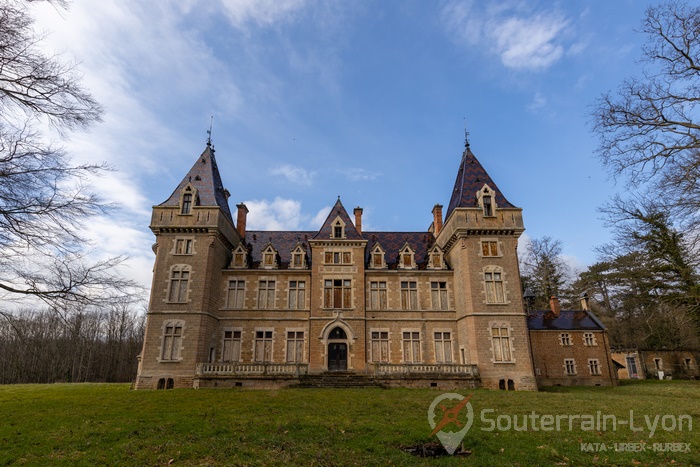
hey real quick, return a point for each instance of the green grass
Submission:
(98, 424)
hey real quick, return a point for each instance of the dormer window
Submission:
(488, 211)
(487, 201)
(186, 203)
(240, 258)
(269, 257)
(436, 260)
(338, 228)
(407, 258)
(377, 258)
(298, 258)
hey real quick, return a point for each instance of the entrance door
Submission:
(337, 356)
(632, 368)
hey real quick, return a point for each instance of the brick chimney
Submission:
(584, 301)
(242, 216)
(437, 218)
(358, 219)
(554, 305)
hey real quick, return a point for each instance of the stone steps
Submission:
(337, 380)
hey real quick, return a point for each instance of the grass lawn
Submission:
(102, 424)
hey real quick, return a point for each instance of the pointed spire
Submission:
(471, 177)
(205, 178)
(326, 229)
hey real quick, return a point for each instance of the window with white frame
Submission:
(379, 345)
(183, 246)
(231, 350)
(594, 366)
(409, 295)
(500, 340)
(377, 295)
(565, 338)
(411, 346)
(263, 346)
(179, 283)
(266, 294)
(570, 366)
(297, 295)
(493, 281)
(443, 347)
(438, 294)
(172, 340)
(589, 339)
(235, 295)
(295, 346)
(337, 293)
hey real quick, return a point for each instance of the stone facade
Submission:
(657, 364)
(439, 308)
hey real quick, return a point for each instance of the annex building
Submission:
(436, 308)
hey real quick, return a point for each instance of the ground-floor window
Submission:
(379, 346)
(263, 346)
(411, 347)
(570, 366)
(443, 347)
(232, 347)
(295, 346)
(594, 366)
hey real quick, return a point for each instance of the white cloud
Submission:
(538, 101)
(279, 214)
(261, 12)
(317, 221)
(294, 174)
(522, 40)
(359, 174)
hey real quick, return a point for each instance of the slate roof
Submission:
(282, 241)
(471, 178)
(568, 320)
(351, 232)
(204, 176)
(392, 242)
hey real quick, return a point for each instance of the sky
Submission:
(366, 100)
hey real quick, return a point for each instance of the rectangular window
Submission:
(409, 295)
(178, 286)
(565, 338)
(489, 248)
(500, 336)
(266, 294)
(570, 366)
(269, 259)
(380, 346)
(337, 257)
(377, 260)
(443, 347)
(488, 211)
(186, 203)
(438, 292)
(407, 260)
(236, 294)
(377, 296)
(437, 260)
(295, 346)
(238, 260)
(232, 347)
(263, 346)
(297, 260)
(588, 338)
(411, 347)
(183, 246)
(494, 287)
(337, 293)
(657, 363)
(297, 295)
(594, 366)
(172, 339)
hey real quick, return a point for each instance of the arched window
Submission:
(337, 333)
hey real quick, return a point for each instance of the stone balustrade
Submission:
(417, 369)
(252, 369)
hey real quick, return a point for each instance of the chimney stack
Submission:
(554, 305)
(584, 301)
(242, 216)
(358, 219)
(437, 218)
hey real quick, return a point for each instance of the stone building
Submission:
(657, 364)
(570, 347)
(436, 308)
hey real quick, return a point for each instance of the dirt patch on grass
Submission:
(433, 449)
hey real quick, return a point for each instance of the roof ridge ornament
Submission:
(211, 124)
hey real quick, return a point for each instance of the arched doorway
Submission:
(337, 351)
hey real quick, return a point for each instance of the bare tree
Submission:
(544, 270)
(45, 199)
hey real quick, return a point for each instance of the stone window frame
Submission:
(346, 290)
(498, 340)
(299, 292)
(379, 340)
(490, 241)
(382, 294)
(407, 252)
(589, 339)
(594, 367)
(338, 228)
(187, 244)
(264, 340)
(266, 280)
(442, 304)
(188, 200)
(334, 256)
(436, 253)
(486, 192)
(232, 339)
(300, 253)
(174, 348)
(493, 270)
(242, 292)
(565, 339)
(268, 258)
(298, 343)
(415, 345)
(242, 253)
(443, 342)
(408, 290)
(570, 367)
(172, 280)
(377, 251)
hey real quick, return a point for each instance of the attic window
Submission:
(338, 230)
(186, 203)
(488, 210)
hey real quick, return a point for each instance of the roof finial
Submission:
(466, 134)
(211, 124)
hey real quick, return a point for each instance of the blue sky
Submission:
(366, 100)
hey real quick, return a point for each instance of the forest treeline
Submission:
(97, 345)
